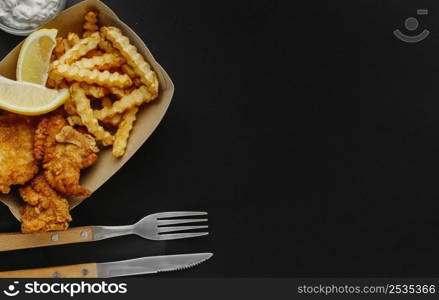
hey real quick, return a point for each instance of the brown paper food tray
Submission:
(148, 117)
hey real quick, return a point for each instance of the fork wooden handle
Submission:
(71, 271)
(15, 241)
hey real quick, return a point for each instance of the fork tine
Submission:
(175, 236)
(179, 228)
(172, 214)
(179, 221)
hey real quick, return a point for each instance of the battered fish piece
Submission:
(45, 135)
(17, 162)
(64, 151)
(45, 210)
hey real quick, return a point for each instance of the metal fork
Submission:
(155, 227)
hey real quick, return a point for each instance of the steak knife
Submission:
(137, 266)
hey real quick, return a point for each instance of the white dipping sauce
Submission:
(27, 14)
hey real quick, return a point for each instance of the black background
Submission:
(308, 132)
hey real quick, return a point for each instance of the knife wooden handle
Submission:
(72, 271)
(15, 241)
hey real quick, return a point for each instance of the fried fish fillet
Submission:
(17, 162)
(64, 151)
(45, 209)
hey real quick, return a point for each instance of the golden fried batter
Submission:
(45, 134)
(45, 209)
(64, 151)
(17, 163)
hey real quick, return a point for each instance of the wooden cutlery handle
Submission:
(72, 271)
(15, 241)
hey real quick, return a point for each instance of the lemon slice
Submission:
(28, 98)
(34, 59)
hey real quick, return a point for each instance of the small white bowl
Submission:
(26, 32)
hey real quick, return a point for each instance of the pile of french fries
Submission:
(108, 80)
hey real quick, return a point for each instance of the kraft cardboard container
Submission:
(148, 118)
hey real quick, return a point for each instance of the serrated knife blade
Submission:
(151, 264)
(137, 266)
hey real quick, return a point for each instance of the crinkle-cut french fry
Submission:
(141, 67)
(135, 98)
(103, 62)
(114, 120)
(94, 90)
(123, 133)
(74, 121)
(107, 47)
(86, 113)
(104, 78)
(106, 102)
(129, 70)
(90, 24)
(73, 39)
(80, 49)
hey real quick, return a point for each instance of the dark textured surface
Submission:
(308, 132)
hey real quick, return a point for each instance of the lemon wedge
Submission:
(28, 98)
(34, 59)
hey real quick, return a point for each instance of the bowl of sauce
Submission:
(22, 17)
